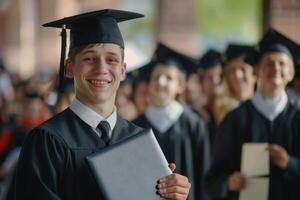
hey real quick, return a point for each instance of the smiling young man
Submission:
(51, 165)
(267, 117)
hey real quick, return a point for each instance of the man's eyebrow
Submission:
(113, 53)
(88, 51)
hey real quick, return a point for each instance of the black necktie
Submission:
(104, 127)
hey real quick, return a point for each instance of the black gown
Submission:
(246, 124)
(186, 144)
(51, 164)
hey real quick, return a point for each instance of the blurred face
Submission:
(239, 78)
(97, 70)
(193, 88)
(274, 71)
(141, 97)
(33, 109)
(211, 80)
(165, 84)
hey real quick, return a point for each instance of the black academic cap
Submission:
(210, 59)
(89, 28)
(95, 27)
(140, 74)
(234, 51)
(273, 41)
(165, 55)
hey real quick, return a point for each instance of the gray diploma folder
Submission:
(130, 169)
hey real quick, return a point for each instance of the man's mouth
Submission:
(99, 82)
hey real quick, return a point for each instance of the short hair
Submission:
(74, 51)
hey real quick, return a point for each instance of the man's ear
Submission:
(68, 68)
(123, 70)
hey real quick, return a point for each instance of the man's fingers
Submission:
(173, 189)
(172, 180)
(174, 196)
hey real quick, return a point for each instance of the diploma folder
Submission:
(130, 169)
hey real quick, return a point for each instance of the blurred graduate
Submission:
(181, 133)
(268, 117)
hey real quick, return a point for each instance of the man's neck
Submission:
(103, 109)
(271, 93)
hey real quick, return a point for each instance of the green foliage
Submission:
(226, 16)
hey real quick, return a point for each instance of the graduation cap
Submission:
(210, 59)
(167, 56)
(90, 28)
(141, 74)
(273, 41)
(234, 51)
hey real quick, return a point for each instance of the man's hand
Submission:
(174, 186)
(279, 155)
(236, 182)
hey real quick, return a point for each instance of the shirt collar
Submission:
(91, 117)
(162, 118)
(270, 107)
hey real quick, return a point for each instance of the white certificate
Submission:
(256, 189)
(255, 159)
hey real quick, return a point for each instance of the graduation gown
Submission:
(52, 165)
(246, 124)
(186, 144)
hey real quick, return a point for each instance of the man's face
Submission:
(97, 70)
(193, 88)
(274, 70)
(211, 80)
(239, 78)
(164, 85)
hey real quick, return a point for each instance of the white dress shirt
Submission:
(162, 118)
(270, 107)
(91, 117)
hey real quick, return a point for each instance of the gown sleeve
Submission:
(41, 167)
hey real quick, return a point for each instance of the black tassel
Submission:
(62, 60)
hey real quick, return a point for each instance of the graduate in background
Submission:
(267, 117)
(65, 97)
(238, 78)
(181, 134)
(124, 103)
(51, 164)
(210, 72)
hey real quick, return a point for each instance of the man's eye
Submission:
(89, 59)
(112, 60)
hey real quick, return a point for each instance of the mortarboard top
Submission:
(90, 28)
(210, 59)
(234, 51)
(273, 41)
(165, 55)
(95, 27)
